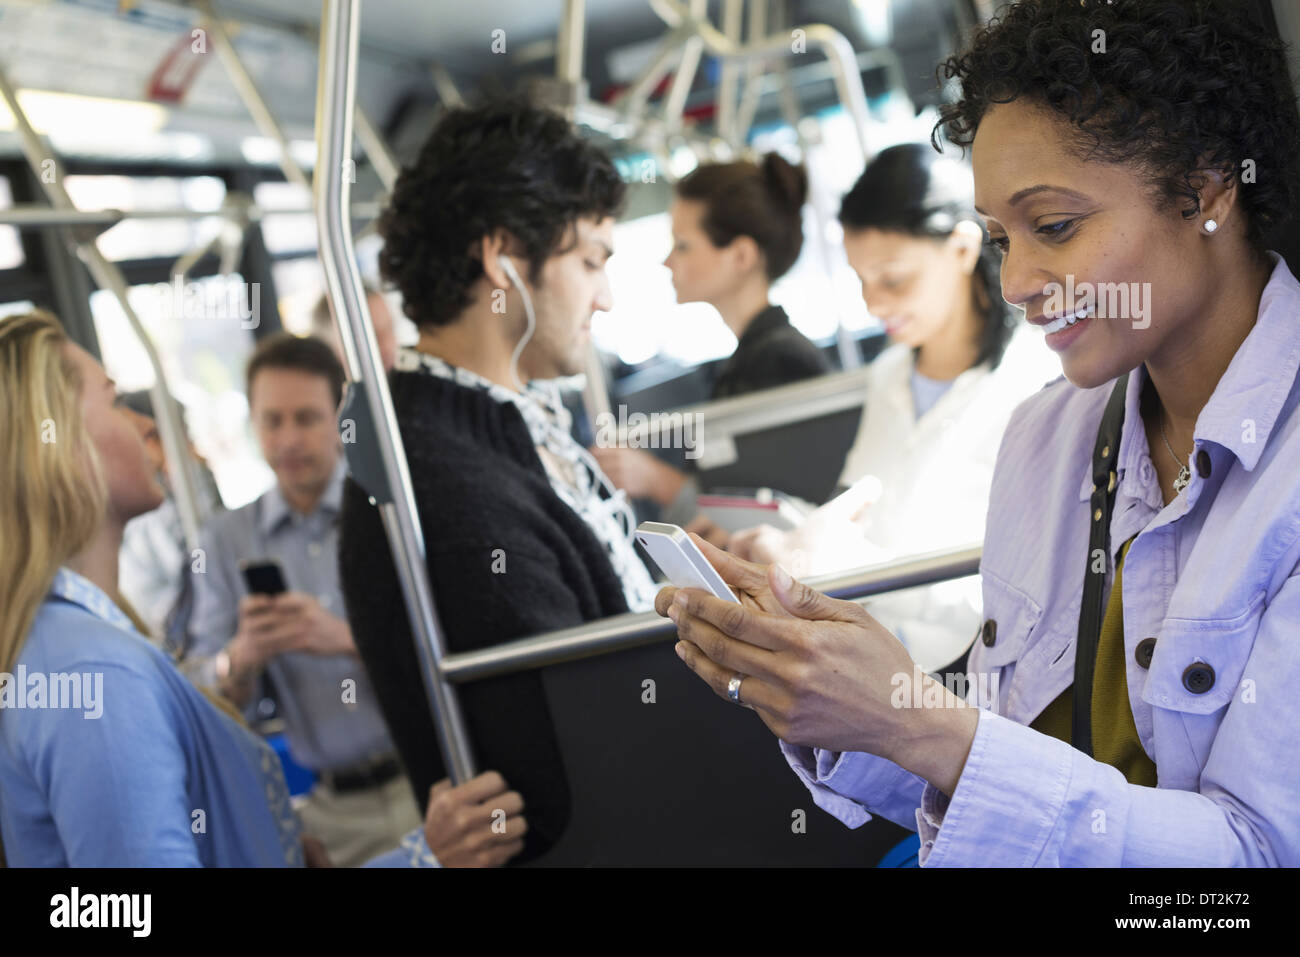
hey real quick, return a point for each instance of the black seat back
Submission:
(800, 458)
(690, 780)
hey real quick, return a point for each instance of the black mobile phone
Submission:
(263, 576)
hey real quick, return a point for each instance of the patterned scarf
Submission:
(573, 473)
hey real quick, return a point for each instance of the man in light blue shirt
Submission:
(300, 640)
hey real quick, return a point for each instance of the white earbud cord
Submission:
(617, 501)
(509, 268)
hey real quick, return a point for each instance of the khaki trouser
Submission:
(358, 825)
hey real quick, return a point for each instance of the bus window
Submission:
(203, 340)
(16, 308)
(299, 284)
(150, 238)
(286, 232)
(11, 249)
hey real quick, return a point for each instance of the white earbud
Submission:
(509, 268)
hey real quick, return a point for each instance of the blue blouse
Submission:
(926, 392)
(109, 756)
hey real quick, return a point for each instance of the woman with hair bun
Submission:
(737, 228)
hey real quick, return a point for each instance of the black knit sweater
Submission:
(506, 558)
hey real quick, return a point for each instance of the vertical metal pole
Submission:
(595, 397)
(685, 75)
(845, 345)
(108, 277)
(848, 84)
(569, 43)
(729, 82)
(753, 73)
(335, 106)
(568, 71)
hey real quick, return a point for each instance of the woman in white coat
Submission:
(938, 400)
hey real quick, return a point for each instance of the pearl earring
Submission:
(1211, 225)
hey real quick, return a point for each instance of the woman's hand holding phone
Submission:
(820, 672)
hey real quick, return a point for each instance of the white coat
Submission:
(932, 475)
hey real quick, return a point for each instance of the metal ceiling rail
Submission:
(35, 216)
(372, 143)
(249, 93)
(369, 399)
(109, 278)
(622, 632)
(836, 47)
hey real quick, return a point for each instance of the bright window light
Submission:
(303, 152)
(647, 320)
(260, 150)
(67, 113)
(682, 161)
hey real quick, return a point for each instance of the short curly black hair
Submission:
(505, 164)
(1183, 85)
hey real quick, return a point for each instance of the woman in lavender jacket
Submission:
(1130, 160)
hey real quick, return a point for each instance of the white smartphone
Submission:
(681, 560)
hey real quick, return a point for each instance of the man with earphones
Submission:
(497, 238)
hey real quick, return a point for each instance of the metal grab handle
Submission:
(621, 632)
(335, 105)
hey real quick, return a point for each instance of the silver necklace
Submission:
(1184, 473)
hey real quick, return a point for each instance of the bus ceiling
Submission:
(629, 69)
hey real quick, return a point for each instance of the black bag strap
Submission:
(1104, 455)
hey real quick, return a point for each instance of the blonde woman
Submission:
(108, 755)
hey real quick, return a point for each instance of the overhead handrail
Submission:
(381, 157)
(370, 405)
(35, 216)
(621, 632)
(692, 49)
(372, 142)
(249, 93)
(833, 44)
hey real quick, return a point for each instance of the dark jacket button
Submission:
(1198, 678)
(1144, 650)
(990, 632)
(1203, 463)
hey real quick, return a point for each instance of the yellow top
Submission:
(1114, 735)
